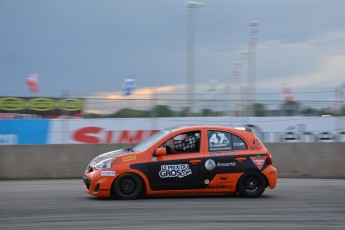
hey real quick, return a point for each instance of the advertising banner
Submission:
(135, 130)
(24, 131)
(42, 106)
(101, 131)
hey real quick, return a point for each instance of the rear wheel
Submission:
(251, 184)
(127, 187)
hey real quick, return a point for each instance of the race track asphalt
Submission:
(63, 204)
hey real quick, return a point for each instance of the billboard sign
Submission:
(24, 131)
(42, 106)
(134, 130)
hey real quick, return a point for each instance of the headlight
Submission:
(106, 164)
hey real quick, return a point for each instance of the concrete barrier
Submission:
(49, 161)
(308, 160)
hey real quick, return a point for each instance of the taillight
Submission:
(269, 157)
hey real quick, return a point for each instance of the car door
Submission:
(181, 167)
(224, 153)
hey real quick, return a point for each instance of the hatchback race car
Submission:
(185, 160)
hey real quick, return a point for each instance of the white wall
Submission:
(133, 130)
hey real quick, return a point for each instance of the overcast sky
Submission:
(89, 46)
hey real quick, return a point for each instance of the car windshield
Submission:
(150, 141)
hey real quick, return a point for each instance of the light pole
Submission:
(191, 7)
(237, 89)
(254, 29)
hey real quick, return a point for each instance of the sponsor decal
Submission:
(218, 187)
(108, 173)
(256, 145)
(210, 164)
(207, 181)
(222, 153)
(180, 171)
(129, 158)
(218, 141)
(226, 164)
(259, 160)
(238, 144)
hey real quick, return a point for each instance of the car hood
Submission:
(110, 154)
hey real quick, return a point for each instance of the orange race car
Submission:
(185, 160)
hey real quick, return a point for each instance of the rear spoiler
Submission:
(244, 128)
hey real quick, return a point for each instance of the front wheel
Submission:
(127, 187)
(251, 184)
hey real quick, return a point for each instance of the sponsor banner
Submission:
(135, 130)
(96, 135)
(26, 131)
(8, 115)
(100, 131)
(42, 106)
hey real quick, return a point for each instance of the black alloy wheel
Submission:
(251, 184)
(127, 187)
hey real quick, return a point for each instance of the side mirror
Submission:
(161, 152)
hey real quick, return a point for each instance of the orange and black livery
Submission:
(185, 160)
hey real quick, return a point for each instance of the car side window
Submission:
(220, 141)
(188, 142)
(238, 143)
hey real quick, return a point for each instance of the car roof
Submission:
(181, 127)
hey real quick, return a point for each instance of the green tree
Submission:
(259, 109)
(161, 111)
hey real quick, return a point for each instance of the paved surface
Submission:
(63, 204)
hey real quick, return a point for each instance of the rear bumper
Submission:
(271, 174)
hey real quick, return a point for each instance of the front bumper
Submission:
(98, 185)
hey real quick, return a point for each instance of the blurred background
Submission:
(82, 77)
(277, 67)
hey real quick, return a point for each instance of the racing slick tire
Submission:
(127, 187)
(251, 184)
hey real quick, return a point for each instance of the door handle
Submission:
(195, 162)
(240, 159)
